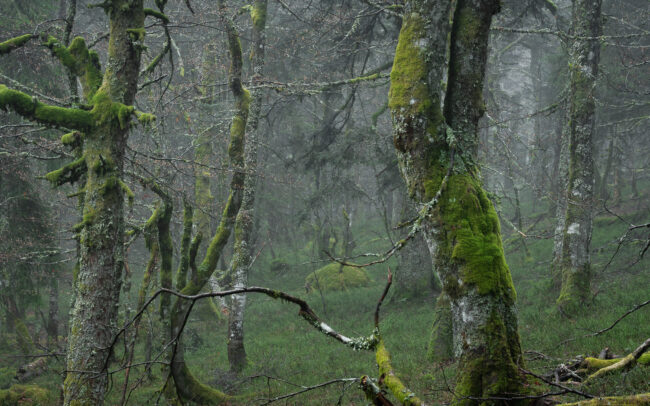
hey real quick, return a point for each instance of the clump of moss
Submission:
(408, 79)
(26, 395)
(334, 277)
(10, 45)
(279, 265)
(473, 238)
(7, 376)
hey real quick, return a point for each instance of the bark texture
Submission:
(102, 132)
(436, 101)
(584, 55)
(243, 247)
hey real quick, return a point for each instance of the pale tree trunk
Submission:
(435, 128)
(584, 55)
(243, 247)
(561, 201)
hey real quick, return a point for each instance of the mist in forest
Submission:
(325, 202)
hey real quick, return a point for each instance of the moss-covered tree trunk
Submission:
(94, 315)
(242, 253)
(203, 154)
(102, 130)
(187, 386)
(436, 102)
(584, 55)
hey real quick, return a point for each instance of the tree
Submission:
(102, 127)
(436, 102)
(584, 55)
(243, 244)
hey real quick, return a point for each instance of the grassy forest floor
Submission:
(284, 351)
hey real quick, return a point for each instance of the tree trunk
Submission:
(434, 129)
(583, 65)
(94, 315)
(562, 157)
(242, 254)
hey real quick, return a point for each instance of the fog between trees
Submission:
(451, 195)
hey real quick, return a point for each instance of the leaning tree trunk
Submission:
(243, 246)
(584, 54)
(188, 387)
(436, 137)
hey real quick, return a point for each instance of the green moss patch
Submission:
(25, 395)
(334, 277)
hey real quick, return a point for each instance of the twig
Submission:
(557, 385)
(627, 313)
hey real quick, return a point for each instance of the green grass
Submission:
(283, 348)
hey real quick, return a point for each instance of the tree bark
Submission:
(436, 137)
(243, 246)
(584, 55)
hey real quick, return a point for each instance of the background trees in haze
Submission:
(328, 179)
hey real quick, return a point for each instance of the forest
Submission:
(324, 202)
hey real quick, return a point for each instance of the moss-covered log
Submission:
(591, 364)
(435, 134)
(626, 362)
(584, 55)
(632, 400)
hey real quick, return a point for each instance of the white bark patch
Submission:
(328, 330)
(574, 228)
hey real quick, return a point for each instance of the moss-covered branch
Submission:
(625, 362)
(391, 380)
(14, 43)
(149, 12)
(80, 61)
(32, 109)
(69, 173)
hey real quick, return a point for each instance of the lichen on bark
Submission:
(440, 63)
(584, 55)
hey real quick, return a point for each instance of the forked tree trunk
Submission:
(243, 246)
(435, 125)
